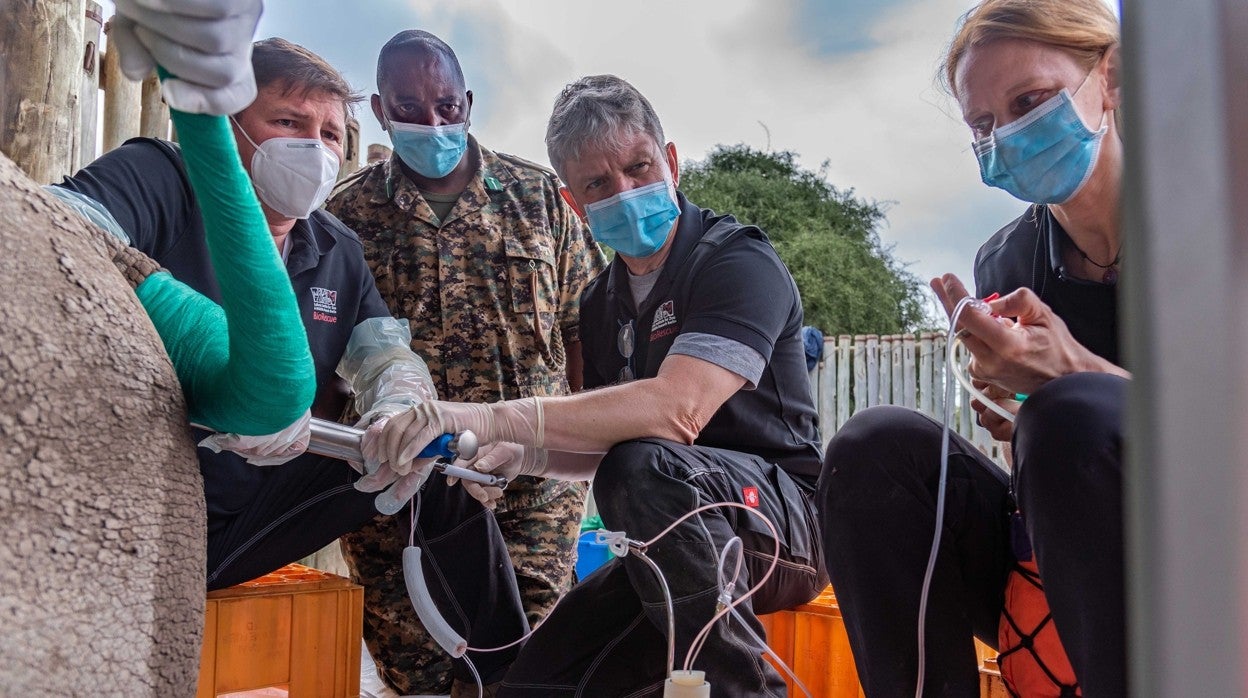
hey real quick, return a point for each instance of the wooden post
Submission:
(966, 418)
(88, 110)
(40, 76)
(350, 149)
(926, 385)
(873, 370)
(154, 113)
(377, 152)
(813, 374)
(123, 102)
(899, 381)
(861, 399)
(828, 396)
(909, 371)
(842, 379)
(885, 394)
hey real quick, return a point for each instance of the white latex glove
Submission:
(268, 449)
(499, 458)
(379, 474)
(407, 433)
(373, 422)
(204, 44)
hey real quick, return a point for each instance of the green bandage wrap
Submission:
(245, 366)
(192, 328)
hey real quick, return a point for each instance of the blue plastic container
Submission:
(590, 555)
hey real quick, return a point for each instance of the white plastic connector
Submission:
(616, 540)
(687, 684)
(418, 592)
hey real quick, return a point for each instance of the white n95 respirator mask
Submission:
(293, 176)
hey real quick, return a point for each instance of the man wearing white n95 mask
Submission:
(290, 142)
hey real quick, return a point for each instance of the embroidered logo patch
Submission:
(750, 495)
(324, 304)
(665, 315)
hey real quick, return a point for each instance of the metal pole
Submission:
(1186, 320)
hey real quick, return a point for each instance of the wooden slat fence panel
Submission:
(843, 344)
(885, 367)
(909, 373)
(926, 386)
(867, 370)
(873, 371)
(859, 393)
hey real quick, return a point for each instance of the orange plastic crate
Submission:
(811, 639)
(296, 628)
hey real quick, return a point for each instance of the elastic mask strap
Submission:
(1104, 114)
(244, 132)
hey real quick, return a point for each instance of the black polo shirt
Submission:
(1028, 252)
(721, 278)
(143, 184)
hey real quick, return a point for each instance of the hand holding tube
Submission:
(405, 434)
(1023, 355)
(1001, 428)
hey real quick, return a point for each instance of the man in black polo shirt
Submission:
(290, 140)
(692, 339)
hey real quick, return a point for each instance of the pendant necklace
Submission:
(1111, 273)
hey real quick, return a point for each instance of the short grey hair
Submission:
(599, 109)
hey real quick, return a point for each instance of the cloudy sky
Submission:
(849, 82)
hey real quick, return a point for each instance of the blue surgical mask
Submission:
(637, 222)
(432, 151)
(1044, 157)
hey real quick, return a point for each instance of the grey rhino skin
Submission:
(102, 522)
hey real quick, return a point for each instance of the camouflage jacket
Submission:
(492, 292)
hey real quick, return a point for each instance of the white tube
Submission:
(970, 388)
(418, 592)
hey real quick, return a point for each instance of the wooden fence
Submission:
(909, 370)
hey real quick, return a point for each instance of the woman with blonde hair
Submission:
(1039, 84)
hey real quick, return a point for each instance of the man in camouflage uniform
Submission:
(486, 260)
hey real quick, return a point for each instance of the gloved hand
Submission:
(500, 458)
(268, 449)
(407, 433)
(378, 473)
(204, 44)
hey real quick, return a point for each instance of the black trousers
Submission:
(877, 502)
(300, 508)
(607, 637)
(297, 508)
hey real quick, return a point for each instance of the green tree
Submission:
(850, 282)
